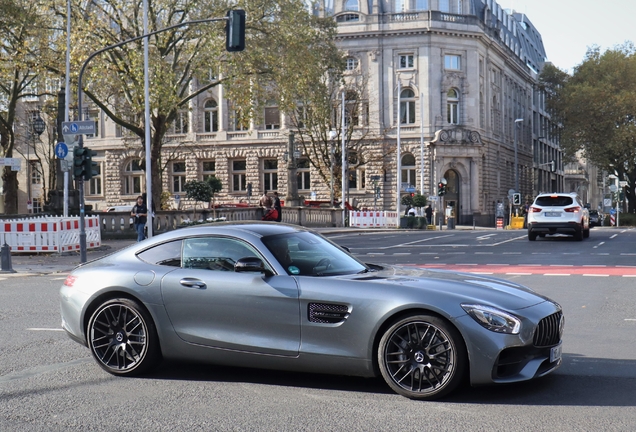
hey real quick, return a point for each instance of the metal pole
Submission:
(344, 162)
(398, 151)
(67, 92)
(422, 143)
(516, 161)
(147, 126)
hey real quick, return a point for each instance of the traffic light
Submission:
(235, 30)
(249, 189)
(516, 199)
(412, 194)
(441, 189)
(83, 163)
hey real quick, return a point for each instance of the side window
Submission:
(215, 253)
(167, 254)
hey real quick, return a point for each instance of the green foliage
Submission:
(215, 185)
(407, 200)
(626, 219)
(597, 107)
(198, 190)
(419, 201)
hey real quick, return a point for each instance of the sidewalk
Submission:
(51, 263)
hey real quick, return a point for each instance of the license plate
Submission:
(555, 353)
(552, 214)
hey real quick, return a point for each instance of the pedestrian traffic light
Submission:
(441, 189)
(235, 30)
(516, 199)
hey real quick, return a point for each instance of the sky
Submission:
(569, 27)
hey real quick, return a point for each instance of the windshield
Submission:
(306, 254)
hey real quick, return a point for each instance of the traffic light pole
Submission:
(80, 183)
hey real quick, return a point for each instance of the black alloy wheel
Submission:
(123, 338)
(422, 357)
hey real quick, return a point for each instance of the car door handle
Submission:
(192, 283)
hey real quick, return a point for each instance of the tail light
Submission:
(535, 209)
(573, 209)
(70, 280)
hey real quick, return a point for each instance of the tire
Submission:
(578, 235)
(586, 233)
(532, 236)
(122, 338)
(422, 357)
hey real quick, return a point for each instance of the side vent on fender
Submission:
(325, 313)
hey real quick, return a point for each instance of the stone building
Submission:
(452, 83)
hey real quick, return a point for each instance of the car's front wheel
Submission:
(422, 357)
(122, 337)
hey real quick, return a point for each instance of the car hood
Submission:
(466, 287)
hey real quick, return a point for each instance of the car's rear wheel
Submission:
(122, 337)
(422, 357)
(586, 233)
(578, 235)
(532, 236)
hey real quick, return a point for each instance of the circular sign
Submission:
(61, 150)
(613, 188)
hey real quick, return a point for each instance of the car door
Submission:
(210, 304)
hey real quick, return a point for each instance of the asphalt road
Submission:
(50, 383)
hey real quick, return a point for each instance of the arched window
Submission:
(210, 116)
(352, 5)
(452, 106)
(408, 170)
(407, 107)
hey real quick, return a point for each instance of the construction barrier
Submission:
(612, 220)
(517, 222)
(49, 234)
(500, 223)
(373, 219)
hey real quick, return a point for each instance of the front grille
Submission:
(326, 313)
(548, 331)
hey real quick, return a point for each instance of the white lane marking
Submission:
(45, 329)
(629, 254)
(561, 265)
(456, 253)
(571, 253)
(613, 236)
(498, 264)
(413, 242)
(512, 253)
(481, 273)
(556, 274)
(629, 275)
(402, 253)
(600, 244)
(519, 274)
(485, 237)
(593, 265)
(375, 253)
(509, 240)
(483, 253)
(428, 253)
(597, 275)
(541, 253)
(630, 319)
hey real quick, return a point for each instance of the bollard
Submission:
(5, 254)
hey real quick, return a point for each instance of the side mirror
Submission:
(250, 264)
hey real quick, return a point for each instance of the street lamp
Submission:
(37, 128)
(516, 159)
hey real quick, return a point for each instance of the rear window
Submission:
(554, 201)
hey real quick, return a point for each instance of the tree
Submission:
(27, 40)
(198, 191)
(597, 107)
(283, 43)
(215, 186)
(419, 201)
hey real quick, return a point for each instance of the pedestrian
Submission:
(412, 212)
(429, 214)
(265, 201)
(140, 212)
(278, 207)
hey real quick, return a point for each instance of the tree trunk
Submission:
(10, 181)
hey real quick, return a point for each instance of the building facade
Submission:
(451, 83)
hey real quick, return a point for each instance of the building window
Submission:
(38, 205)
(352, 5)
(270, 174)
(95, 184)
(352, 63)
(452, 107)
(133, 178)
(347, 17)
(208, 169)
(36, 175)
(405, 61)
(352, 111)
(239, 179)
(180, 125)
(272, 116)
(178, 175)
(408, 171)
(240, 122)
(92, 114)
(356, 176)
(452, 62)
(303, 175)
(407, 107)
(210, 116)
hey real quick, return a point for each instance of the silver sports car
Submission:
(270, 295)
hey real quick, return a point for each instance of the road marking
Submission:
(598, 275)
(497, 264)
(571, 253)
(557, 274)
(629, 275)
(561, 265)
(613, 236)
(45, 329)
(375, 253)
(467, 264)
(481, 273)
(456, 253)
(507, 241)
(519, 274)
(541, 253)
(402, 253)
(485, 237)
(600, 244)
(483, 253)
(428, 253)
(629, 254)
(594, 265)
(512, 253)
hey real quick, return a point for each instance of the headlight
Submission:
(493, 319)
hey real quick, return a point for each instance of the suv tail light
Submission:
(535, 209)
(573, 209)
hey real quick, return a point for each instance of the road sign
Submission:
(622, 183)
(79, 127)
(432, 198)
(410, 189)
(61, 150)
(613, 188)
(607, 202)
(612, 211)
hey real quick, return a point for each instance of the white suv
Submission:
(558, 213)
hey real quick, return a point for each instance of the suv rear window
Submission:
(554, 201)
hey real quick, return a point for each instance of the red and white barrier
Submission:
(373, 219)
(49, 234)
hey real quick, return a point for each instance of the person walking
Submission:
(140, 213)
(278, 207)
(265, 201)
(428, 211)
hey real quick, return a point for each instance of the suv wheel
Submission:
(532, 236)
